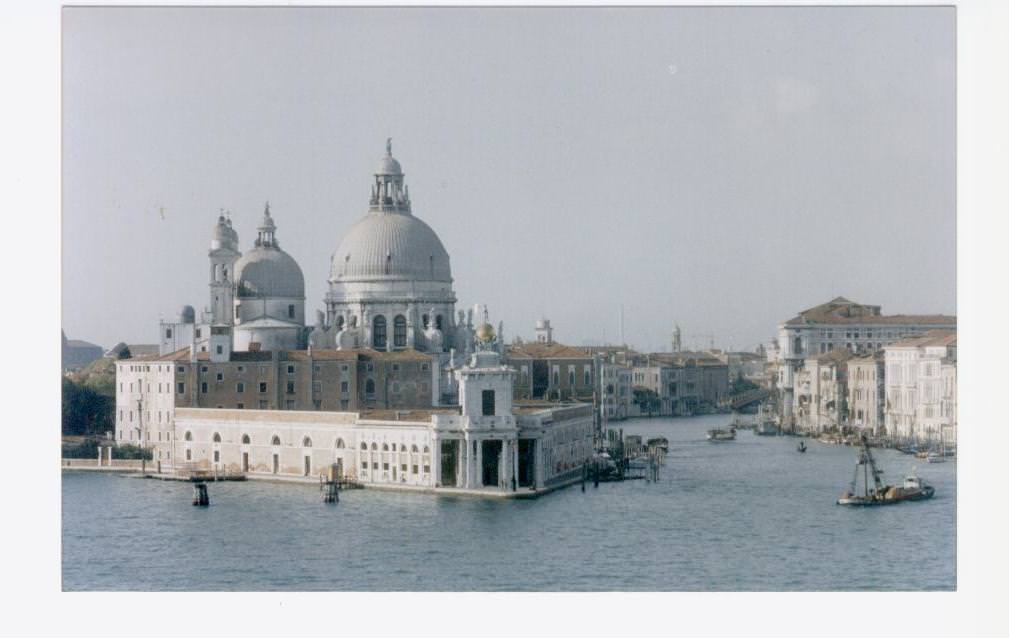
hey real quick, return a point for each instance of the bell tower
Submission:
(223, 255)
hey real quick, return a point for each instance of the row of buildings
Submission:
(846, 364)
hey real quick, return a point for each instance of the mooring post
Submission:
(201, 496)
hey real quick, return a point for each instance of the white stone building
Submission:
(921, 387)
(867, 392)
(488, 445)
(840, 323)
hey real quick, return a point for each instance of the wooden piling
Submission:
(201, 497)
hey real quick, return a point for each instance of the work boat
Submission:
(718, 434)
(913, 489)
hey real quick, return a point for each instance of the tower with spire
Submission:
(223, 255)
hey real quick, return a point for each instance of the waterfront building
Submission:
(821, 392)
(150, 389)
(867, 392)
(921, 387)
(841, 323)
(551, 371)
(489, 443)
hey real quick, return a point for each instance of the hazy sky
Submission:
(721, 168)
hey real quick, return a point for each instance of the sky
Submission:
(716, 168)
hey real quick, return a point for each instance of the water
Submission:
(752, 514)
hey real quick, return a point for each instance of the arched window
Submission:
(245, 439)
(374, 446)
(413, 448)
(188, 436)
(798, 345)
(426, 450)
(306, 442)
(339, 444)
(339, 322)
(378, 336)
(364, 446)
(385, 447)
(425, 320)
(399, 331)
(369, 386)
(437, 322)
(217, 437)
(275, 440)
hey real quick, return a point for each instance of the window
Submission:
(488, 402)
(275, 440)
(344, 387)
(378, 335)
(290, 387)
(240, 406)
(217, 437)
(339, 323)
(290, 311)
(168, 333)
(369, 387)
(220, 377)
(290, 369)
(241, 369)
(188, 436)
(182, 387)
(438, 322)
(306, 442)
(189, 455)
(317, 386)
(262, 386)
(395, 367)
(339, 444)
(203, 387)
(399, 331)
(220, 349)
(197, 333)
(239, 387)
(203, 368)
(571, 376)
(217, 456)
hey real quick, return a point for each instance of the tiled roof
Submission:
(545, 351)
(843, 311)
(930, 338)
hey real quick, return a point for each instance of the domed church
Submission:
(269, 295)
(390, 282)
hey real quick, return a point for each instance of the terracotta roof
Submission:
(930, 338)
(843, 311)
(545, 351)
(837, 355)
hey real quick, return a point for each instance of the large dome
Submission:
(390, 246)
(267, 271)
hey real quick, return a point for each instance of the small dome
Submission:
(485, 333)
(267, 271)
(389, 166)
(187, 314)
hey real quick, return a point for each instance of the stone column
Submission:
(99, 456)
(539, 464)
(478, 469)
(515, 463)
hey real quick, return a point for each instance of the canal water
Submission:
(752, 514)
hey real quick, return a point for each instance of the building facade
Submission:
(840, 323)
(488, 444)
(867, 392)
(921, 387)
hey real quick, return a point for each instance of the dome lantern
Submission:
(388, 193)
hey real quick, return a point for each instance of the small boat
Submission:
(913, 489)
(802, 446)
(660, 442)
(934, 457)
(719, 434)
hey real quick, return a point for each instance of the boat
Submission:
(766, 424)
(913, 489)
(720, 434)
(802, 446)
(660, 442)
(935, 457)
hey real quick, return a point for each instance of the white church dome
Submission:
(393, 246)
(266, 270)
(389, 242)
